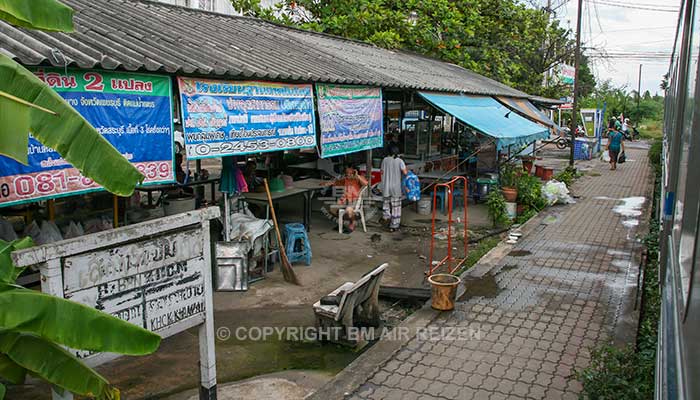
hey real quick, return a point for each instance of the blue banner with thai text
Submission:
(351, 118)
(222, 118)
(132, 111)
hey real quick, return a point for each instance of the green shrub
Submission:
(497, 208)
(655, 155)
(567, 176)
(530, 192)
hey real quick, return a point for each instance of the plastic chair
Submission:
(357, 209)
(297, 247)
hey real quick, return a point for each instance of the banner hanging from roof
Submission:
(351, 118)
(132, 111)
(223, 118)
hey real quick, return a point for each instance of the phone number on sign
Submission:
(249, 146)
(56, 182)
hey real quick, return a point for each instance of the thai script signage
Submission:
(222, 118)
(155, 274)
(351, 118)
(566, 74)
(132, 111)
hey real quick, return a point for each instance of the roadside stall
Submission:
(501, 131)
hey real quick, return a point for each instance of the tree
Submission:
(501, 39)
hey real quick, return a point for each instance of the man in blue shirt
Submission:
(615, 145)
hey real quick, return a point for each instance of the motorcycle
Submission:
(631, 136)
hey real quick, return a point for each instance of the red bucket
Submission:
(538, 171)
(547, 173)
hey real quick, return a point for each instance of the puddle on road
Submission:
(519, 253)
(486, 286)
(631, 210)
(630, 207)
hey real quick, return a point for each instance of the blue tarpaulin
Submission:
(489, 117)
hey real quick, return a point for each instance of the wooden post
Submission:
(52, 209)
(115, 211)
(207, 339)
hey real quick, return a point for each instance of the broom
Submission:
(287, 271)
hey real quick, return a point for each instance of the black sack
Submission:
(622, 158)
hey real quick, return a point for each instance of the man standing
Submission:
(393, 170)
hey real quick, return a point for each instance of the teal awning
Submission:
(489, 117)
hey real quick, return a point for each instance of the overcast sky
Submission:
(613, 26)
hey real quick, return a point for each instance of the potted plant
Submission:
(508, 179)
(528, 162)
(496, 206)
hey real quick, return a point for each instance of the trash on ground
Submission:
(556, 192)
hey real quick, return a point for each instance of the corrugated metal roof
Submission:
(138, 35)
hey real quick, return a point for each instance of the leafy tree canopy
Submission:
(501, 39)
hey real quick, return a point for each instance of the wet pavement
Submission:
(566, 286)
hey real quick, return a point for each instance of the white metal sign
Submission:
(155, 274)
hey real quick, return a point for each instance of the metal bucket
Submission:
(179, 205)
(231, 266)
(424, 206)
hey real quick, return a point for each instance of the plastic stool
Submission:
(298, 247)
(457, 197)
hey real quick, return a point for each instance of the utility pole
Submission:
(639, 94)
(577, 63)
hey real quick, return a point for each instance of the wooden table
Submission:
(149, 189)
(261, 198)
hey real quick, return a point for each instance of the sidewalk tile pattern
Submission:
(557, 299)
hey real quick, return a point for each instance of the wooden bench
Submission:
(358, 306)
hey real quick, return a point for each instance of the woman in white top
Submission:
(393, 170)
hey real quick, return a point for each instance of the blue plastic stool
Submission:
(441, 198)
(298, 247)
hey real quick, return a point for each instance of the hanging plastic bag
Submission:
(73, 230)
(605, 156)
(411, 186)
(7, 232)
(622, 158)
(49, 233)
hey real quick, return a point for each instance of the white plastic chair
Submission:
(357, 209)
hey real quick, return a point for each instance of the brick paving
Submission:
(553, 305)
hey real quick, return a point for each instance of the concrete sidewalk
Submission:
(568, 285)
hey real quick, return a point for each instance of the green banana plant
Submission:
(35, 326)
(28, 105)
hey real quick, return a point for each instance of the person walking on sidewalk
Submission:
(393, 170)
(615, 144)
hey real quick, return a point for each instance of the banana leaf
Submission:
(68, 132)
(10, 371)
(47, 15)
(71, 324)
(2, 391)
(55, 365)
(8, 272)
(16, 116)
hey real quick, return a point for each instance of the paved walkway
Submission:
(566, 289)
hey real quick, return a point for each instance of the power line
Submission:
(632, 6)
(658, 28)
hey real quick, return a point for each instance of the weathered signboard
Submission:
(156, 274)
